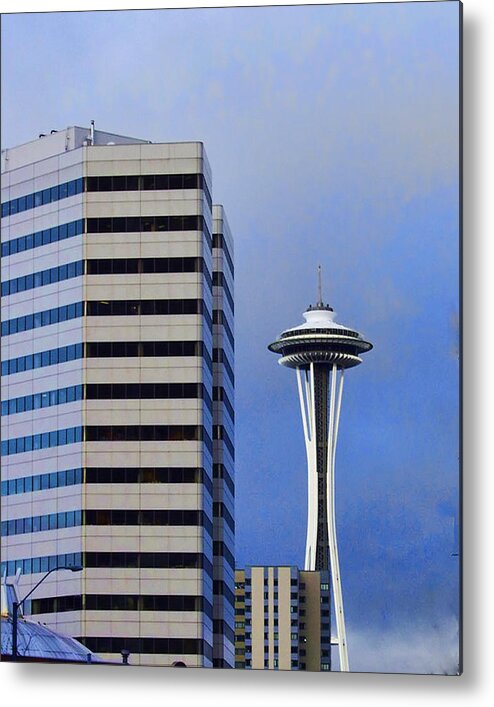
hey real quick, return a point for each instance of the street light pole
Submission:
(16, 605)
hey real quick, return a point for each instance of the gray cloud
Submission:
(426, 649)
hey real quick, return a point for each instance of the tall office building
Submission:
(282, 619)
(117, 426)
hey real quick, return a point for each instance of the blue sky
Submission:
(332, 132)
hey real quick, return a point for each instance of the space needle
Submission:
(320, 350)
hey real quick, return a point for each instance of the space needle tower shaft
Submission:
(320, 350)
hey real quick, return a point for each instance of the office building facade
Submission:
(117, 437)
(282, 619)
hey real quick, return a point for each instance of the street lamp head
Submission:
(74, 568)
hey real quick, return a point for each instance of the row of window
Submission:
(129, 349)
(107, 475)
(43, 277)
(39, 238)
(130, 182)
(221, 472)
(148, 433)
(121, 602)
(223, 629)
(115, 308)
(104, 266)
(219, 317)
(155, 517)
(141, 224)
(44, 318)
(105, 308)
(71, 519)
(106, 349)
(129, 266)
(221, 511)
(220, 394)
(174, 646)
(40, 482)
(44, 440)
(220, 588)
(107, 433)
(144, 391)
(35, 565)
(219, 432)
(219, 280)
(219, 356)
(219, 242)
(36, 524)
(42, 197)
(42, 359)
(107, 391)
(148, 475)
(304, 332)
(46, 399)
(220, 548)
(112, 560)
(148, 182)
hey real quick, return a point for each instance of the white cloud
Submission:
(408, 649)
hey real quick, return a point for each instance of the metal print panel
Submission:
(175, 197)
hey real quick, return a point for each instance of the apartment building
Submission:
(282, 619)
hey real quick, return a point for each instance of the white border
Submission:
(62, 685)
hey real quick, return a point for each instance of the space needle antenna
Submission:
(319, 280)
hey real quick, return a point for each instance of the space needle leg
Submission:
(313, 465)
(334, 415)
(306, 408)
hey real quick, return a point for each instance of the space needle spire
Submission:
(320, 350)
(319, 285)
